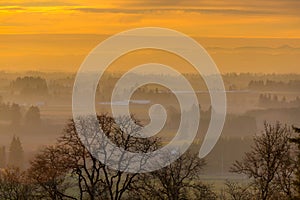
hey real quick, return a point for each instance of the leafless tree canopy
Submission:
(179, 180)
(67, 170)
(269, 164)
(14, 185)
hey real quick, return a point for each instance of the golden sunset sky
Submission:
(241, 36)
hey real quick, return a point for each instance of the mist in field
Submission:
(36, 106)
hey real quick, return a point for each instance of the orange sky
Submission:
(199, 19)
(206, 18)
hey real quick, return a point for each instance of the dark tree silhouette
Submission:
(238, 191)
(32, 116)
(179, 180)
(29, 85)
(48, 173)
(13, 185)
(16, 153)
(296, 140)
(93, 179)
(269, 164)
(2, 157)
(16, 115)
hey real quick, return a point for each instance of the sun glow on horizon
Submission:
(278, 22)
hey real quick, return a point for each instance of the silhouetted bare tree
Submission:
(296, 141)
(94, 180)
(14, 185)
(179, 180)
(269, 164)
(48, 173)
(238, 191)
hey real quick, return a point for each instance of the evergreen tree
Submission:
(2, 157)
(33, 116)
(16, 153)
(15, 114)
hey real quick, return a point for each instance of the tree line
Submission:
(15, 154)
(67, 170)
(29, 85)
(292, 85)
(272, 100)
(12, 112)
